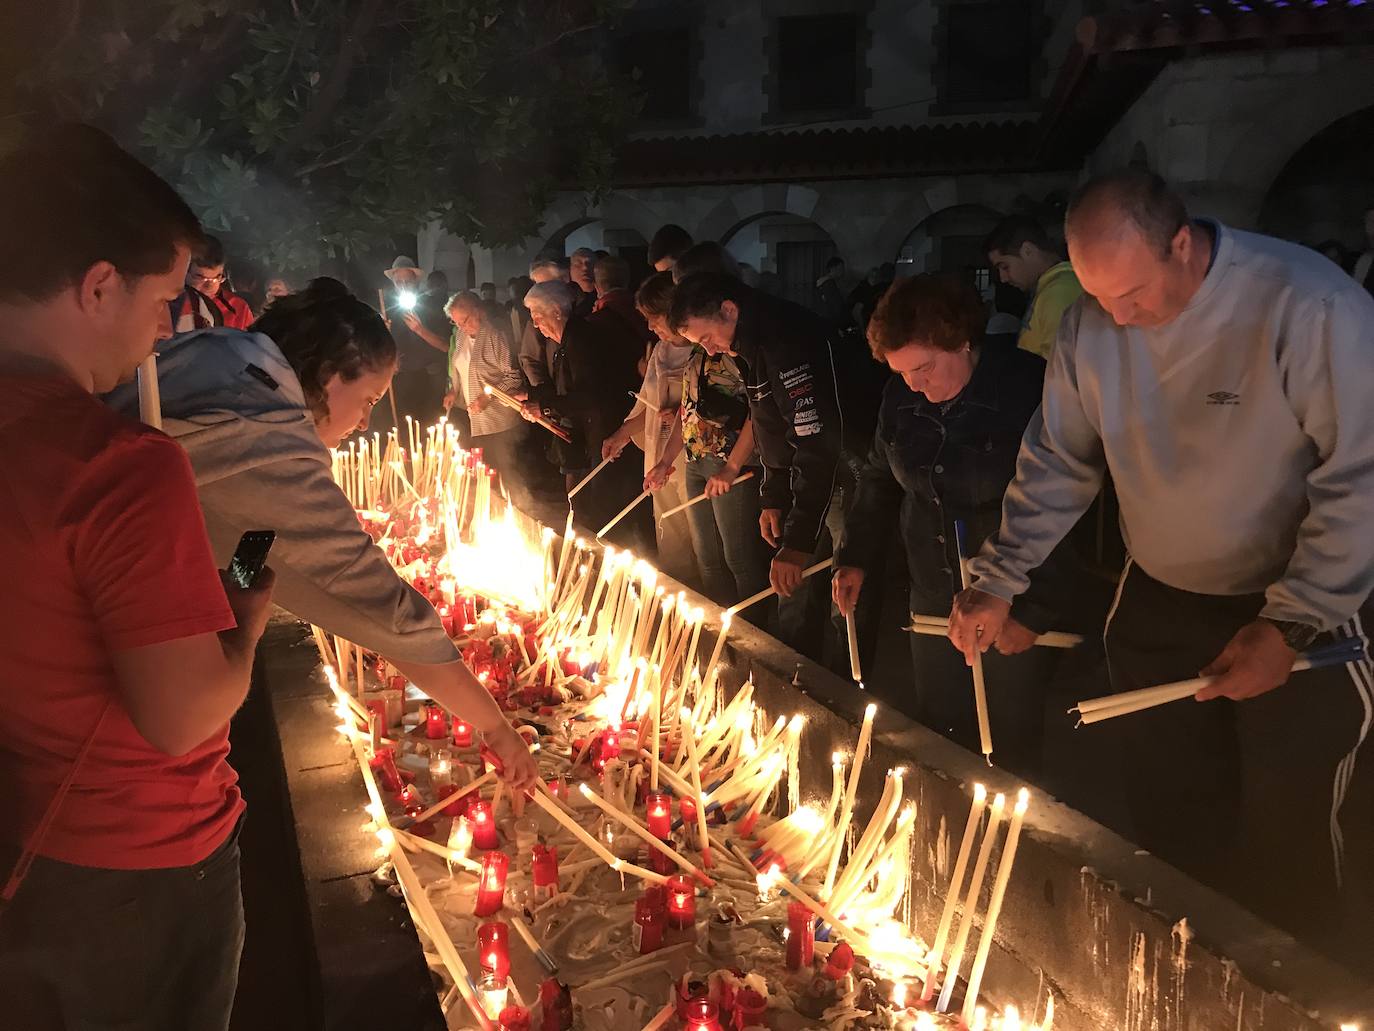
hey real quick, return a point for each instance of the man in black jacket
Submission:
(813, 418)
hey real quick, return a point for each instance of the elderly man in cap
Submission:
(418, 322)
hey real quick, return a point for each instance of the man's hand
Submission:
(478, 404)
(531, 411)
(785, 574)
(721, 482)
(518, 768)
(656, 477)
(845, 584)
(251, 606)
(975, 611)
(449, 399)
(412, 322)
(1015, 638)
(770, 526)
(1257, 660)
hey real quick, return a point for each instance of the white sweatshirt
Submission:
(1239, 436)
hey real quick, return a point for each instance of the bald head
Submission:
(1130, 202)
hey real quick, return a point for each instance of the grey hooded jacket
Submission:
(230, 399)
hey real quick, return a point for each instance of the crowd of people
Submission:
(1200, 387)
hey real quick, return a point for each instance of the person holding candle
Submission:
(125, 654)
(1223, 380)
(811, 407)
(949, 429)
(256, 412)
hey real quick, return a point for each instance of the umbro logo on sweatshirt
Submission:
(1223, 397)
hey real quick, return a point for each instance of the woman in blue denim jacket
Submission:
(949, 430)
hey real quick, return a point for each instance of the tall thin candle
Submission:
(999, 891)
(975, 885)
(852, 790)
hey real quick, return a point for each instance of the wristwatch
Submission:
(1297, 636)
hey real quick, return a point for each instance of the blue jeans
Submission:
(88, 949)
(731, 555)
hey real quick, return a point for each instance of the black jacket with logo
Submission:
(811, 421)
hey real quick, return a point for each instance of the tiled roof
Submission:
(1164, 24)
(828, 154)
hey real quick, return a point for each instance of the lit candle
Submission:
(712, 666)
(975, 885)
(491, 885)
(999, 891)
(436, 723)
(493, 949)
(750, 1008)
(649, 921)
(460, 837)
(659, 810)
(545, 872)
(687, 809)
(956, 883)
(682, 902)
(801, 936)
(484, 836)
(462, 733)
(702, 1015)
(847, 806)
(492, 992)
(440, 770)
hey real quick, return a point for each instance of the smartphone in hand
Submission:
(250, 556)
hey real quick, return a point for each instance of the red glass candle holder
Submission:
(491, 885)
(649, 925)
(682, 902)
(610, 745)
(545, 872)
(484, 836)
(687, 807)
(660, 861)
(462, 733)
(659, 809)
(841, 961)
(749, 1008)
(801, 936)
(493, 948)
(556, 1002)
(436, 723)
(383, 763)
(514, 1018)
(702, 1015)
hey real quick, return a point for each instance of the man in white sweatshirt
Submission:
(1224, 379)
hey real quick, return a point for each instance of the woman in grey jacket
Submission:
(257, 411)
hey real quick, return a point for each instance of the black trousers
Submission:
(1256, 799)
(85, 949)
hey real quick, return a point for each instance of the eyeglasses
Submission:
(196, 277)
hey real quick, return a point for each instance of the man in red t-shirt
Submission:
(207, 300)
(124, 655)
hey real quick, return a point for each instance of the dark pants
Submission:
(86, 949)
(731, 555)
(1251, 798)
(418, 393)
(610, 491)
(809, 622)
(502, 452)
(942, 693)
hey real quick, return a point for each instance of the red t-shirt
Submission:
(103, 549)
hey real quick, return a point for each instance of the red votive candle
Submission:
(659, 808)
(702, 1015)
(556, 1002)
(484, 837)
(462, 733)
(493, 948)
(648, 930)
(660, 861)
(545, 872)
(491, 886)
(682, 902)
(750, 1008)
(801, 936)
(436, 723)
(610, 745)
(514, 1018)
(687, 807)
(383, 763)
(841, 961)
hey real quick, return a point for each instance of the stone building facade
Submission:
(900, 130)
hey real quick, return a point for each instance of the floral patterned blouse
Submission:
(714, 405)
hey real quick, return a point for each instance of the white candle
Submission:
(694, 773)
(975, 885)
(847, 806)
(634, 826)
(853, 634)
(956, 881)
(999, 891)
(713, 667)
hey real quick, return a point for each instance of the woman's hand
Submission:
(721, 482)
(658, 476)
(613, 445)
(518, 768)
(845, 585)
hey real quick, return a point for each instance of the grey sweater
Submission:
(233, 402)
(1240, 438)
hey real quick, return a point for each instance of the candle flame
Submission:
(980, 793)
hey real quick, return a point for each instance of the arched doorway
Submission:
(949, 240)
(788, 252)
(1323, 191)
(600, 235)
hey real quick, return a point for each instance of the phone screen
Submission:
(250, 556)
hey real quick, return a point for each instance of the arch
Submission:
(789, 252)
(744, 205)
(947, 240)
(1321, 191)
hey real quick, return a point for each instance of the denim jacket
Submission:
(938, 463)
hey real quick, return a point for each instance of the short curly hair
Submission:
(935, 309)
